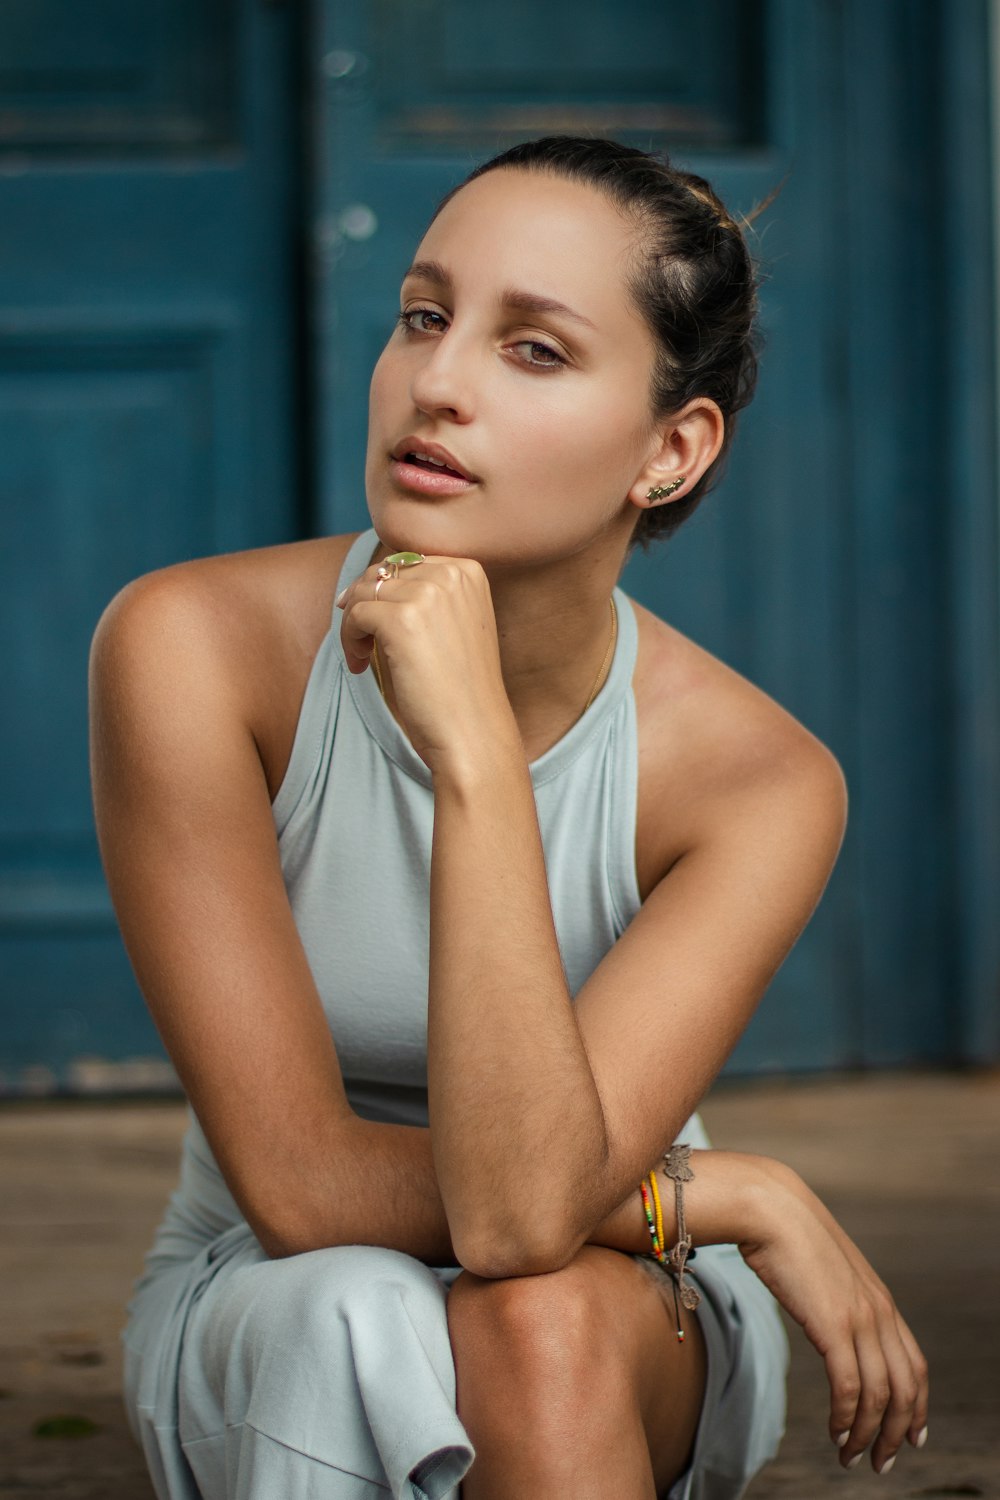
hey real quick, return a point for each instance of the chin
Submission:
(412, 523)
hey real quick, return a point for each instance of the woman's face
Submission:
(521, 361)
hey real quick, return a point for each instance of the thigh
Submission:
(334, 1363)
(539, 1341)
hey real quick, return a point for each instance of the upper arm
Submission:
(189, 847)
(667, 1004)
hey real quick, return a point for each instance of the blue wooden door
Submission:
(160, 165)
(148, 295)
(817, 569)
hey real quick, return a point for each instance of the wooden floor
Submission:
(910, 1165)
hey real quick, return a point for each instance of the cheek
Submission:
(380, 384)
(580, 440)
(391, 377)
(380, 409)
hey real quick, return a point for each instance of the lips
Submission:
(438, 459)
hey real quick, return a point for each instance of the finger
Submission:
(904, 1388)
(845, 1390)
(912, 1377)
(875, 1390)
(917, 1433)
(356, 640)
(367, 585)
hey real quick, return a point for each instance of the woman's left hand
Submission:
(876, 1370)
(437, 638)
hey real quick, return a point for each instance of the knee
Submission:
(554, 1329)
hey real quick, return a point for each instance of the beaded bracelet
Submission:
(657, 1206)
(658, 1251)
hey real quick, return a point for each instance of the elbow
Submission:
(290, 1207)
(519, 1242)
(280, 1232)
(502, 1253)
(280, 1241)
(277, 1245)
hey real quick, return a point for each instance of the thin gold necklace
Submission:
(593, 692)
(607, 657)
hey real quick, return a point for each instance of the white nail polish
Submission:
(341, 597)
(853, 1462)
(842, 1439)
(921, 1438)
(887, 1465)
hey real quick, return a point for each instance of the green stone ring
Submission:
(396, 560)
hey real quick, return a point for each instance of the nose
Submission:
(442, 384)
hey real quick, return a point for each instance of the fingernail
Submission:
(887, 1465)
(842, 1439)
(341, 597)
(921, 1438)
(852, 1463)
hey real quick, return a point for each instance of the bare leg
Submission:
(572, 1385)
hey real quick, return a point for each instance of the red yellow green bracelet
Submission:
(655, 1231)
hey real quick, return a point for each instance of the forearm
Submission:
(516, 1120)
(375, 1185)
(385, 1192)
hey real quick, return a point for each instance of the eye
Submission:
(421, 320)
(542, 356)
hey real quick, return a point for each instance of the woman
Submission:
(498, 850)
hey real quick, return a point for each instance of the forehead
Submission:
(539, 233)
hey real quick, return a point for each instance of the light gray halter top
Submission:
(355, 820)
(354, 817)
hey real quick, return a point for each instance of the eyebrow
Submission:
(433, 270)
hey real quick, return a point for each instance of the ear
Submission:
(683, 446)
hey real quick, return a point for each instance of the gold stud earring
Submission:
(661, 491)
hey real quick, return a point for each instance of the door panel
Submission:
(154, 404)
(148, 329)
(451, 78)
(412, 97)
(815, 569)
(115, 77)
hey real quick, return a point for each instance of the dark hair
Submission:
(693, 281)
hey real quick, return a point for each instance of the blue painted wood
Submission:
(118, 77)
(752, 539)
(969, 488)
(148, 398)
(384, 156)
(818, 569)
(898, 472)
(452, 78)
(150, 403)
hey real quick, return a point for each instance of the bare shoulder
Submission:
(239, 631)
(714, 750)
(251, 597)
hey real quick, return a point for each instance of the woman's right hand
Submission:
(877, 1373)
